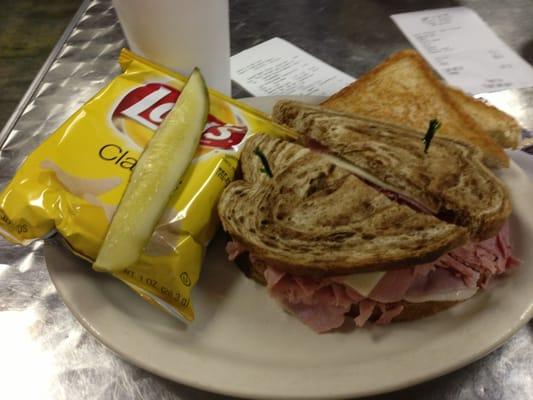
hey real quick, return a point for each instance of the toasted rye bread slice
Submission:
(403, 90)
(450, 180)
(410, 312)
(503, 128)
(314, 218)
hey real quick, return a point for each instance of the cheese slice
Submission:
(361, 173)
(362, 283)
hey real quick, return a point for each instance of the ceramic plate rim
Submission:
(246, 391)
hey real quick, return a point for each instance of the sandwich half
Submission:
(331, 246)
(448, 180)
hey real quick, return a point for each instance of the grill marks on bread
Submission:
(313, 217)
(450, 180)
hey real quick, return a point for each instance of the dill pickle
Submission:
(154, 178)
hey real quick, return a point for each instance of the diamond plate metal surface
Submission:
(46, 353)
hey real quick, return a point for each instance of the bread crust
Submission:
(503, 128)
(466, 129)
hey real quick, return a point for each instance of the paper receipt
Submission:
(464, 50)
(277, 67)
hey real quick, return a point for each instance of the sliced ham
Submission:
(393, 286)
(449, 261)
(320, 317)
(387, 314)
(287, 289)
(233, 249)
(353, 295)
(320, 305)
(366, 308)
(324, 304)
(308, 287)
(439, 285)
(299, 290)
(422, 270)
(272, 277)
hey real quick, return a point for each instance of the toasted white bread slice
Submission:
(313, 218)
(449, 180)
(403, 90)
(503, 128)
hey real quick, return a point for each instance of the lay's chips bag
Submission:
(73, 182)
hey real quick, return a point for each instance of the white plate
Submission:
(243, 344)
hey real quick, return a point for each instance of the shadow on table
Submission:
(527, 51)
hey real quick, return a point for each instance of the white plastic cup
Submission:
(181, 35)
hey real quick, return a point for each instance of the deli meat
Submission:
(233, 249)
(388, 313)
(366, 308)
(323, 304)
(320, 317)
(393, 286)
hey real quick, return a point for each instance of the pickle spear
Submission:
(154, 178)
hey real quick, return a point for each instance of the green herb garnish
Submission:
(266, 168)
(434, 125)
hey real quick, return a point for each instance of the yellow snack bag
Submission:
(74, 180)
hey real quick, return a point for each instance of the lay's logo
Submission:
(144, 108)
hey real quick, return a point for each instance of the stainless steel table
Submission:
(46, 354)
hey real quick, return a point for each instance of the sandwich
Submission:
(449, 180)
(390, 236)
(403, 90)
